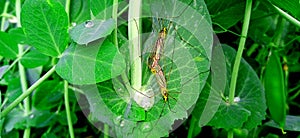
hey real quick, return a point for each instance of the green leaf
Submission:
(249, 108)
(79, 11)
(18, 35)
(40, 118)
(292, 123)
(101, 8)
(45, 24)
(14, 89)
(8, 46)
(89, 31)
(34, 59)
(96, 62)
(62, 117)
(226, 13)
(291, 6)
(210, 98)
(15, 119)
(48, 95)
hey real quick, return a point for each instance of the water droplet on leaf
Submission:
(89, 24)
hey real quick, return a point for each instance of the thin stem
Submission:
(240, 51)
(67, 8)
(106, 131)
(27, 92)
(4, 18)
(192, 126)
(230, 134)
(68, 111)
(14, 62)
(135, 51)
(115, 17)
(22, 72)
(287, 16)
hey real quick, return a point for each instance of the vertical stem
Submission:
(68, 111)
(134, 41)
(67, 8)
(115, 17)
(22, 71)
(4, 12)
(240, 51)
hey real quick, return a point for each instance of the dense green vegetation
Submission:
(82, 68)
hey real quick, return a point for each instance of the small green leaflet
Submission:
(89, 31)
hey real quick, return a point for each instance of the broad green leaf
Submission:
(8, 46)
(18, 35)
(34, 74)
(15, 119)
(49, 135)
(225, 13)
(90, 64)
(260, 25)
(249, 108)
(41, 119)
(45, 24)
(14, 89)
(62, 117)
(48, 95)
(89, 31)
(79, 11)
(292, 123)
(34, 59)
(211, 96)
(185, 68)
(101, 6)
(291, 7)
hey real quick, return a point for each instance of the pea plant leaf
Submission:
(48, 95)
(80, 11)
(45, 25)
(8, 46)
(90, 64)
(103, 7)
(249, 108)
(292, 123)
(89, 31)
(34, 59)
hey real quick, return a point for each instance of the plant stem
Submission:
(4, 18)
(22, 72)
(15, 61)
(240, 51)
(192, 126)
(115, 17)
(67, 8)
(134, 41)
(106, 131)
(230, 134)
(27, 92)
(68, 111)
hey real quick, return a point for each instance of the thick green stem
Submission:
(27, 92)
(240, 51)
(134, 47)
(68, 111)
